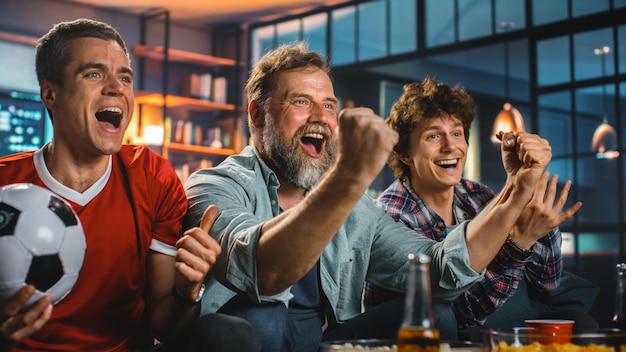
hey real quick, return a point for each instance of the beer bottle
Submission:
(619, 318)
(417, 332)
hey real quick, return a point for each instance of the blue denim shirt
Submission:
(369, 246)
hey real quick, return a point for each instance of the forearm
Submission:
(488, 231)
(305, 230)
(170, 316)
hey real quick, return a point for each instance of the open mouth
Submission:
(449, 163)
(313, 143)
(110, 115)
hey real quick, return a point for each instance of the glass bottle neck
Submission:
(418, 310)
(619, 292)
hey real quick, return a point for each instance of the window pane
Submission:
(587, 63)
(474, 19)
(288, 32)
(343, 36)
(17, 70)
(555, 122)
(262, 42)
(510, 11)
(622, 133)
(314, 31)
(603, 243)
(372, 30)
(593, 105)
(440, 23)
(553, 64)
(519, 71)
(402, 26)
(619, 3)
(621, 36)
(549, 11)
(596, 184)
(586, 7)
(565, 169)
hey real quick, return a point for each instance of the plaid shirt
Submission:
(502, 276)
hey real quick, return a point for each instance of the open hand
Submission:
(15, 325)
(543, 212)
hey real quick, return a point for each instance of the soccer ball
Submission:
(41, 243)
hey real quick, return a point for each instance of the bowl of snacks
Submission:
(390, 345)
(525, 339)
(358, 345)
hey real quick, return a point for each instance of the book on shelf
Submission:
(220, 90)
(197, 86)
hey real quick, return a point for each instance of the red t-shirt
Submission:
(104, 311)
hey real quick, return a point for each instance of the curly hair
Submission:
(420, 102)
(260, 84)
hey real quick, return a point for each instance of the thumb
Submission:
(208, 218)
(509, 142)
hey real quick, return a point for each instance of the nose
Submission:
(319, 114)
(112, 86)
(446, 142)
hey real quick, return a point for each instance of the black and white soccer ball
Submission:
(41, 243)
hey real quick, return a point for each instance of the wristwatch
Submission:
(184, 301)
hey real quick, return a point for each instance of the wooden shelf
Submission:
(179, 147)
(173, 101)
(175, 55)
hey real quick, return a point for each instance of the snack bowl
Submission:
(390, 345)
(358, 345)
(524, 339)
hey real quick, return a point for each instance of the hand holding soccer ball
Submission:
(42, 243)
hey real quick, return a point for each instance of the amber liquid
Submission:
(416, 339)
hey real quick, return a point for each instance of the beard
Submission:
(291, 162)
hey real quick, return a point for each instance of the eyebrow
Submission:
(303, 95)
(103, 67)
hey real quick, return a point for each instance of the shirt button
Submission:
(273, 202)
(440, 224)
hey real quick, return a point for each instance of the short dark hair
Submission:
(420, 102)
(52, 53)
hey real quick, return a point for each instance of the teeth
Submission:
(111, 109)
(446, 162)
(314, 135)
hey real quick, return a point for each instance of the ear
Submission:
(405, 159)
(257, 114)
(47, 91)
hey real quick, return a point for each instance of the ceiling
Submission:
(216, 12)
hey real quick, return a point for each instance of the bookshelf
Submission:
(193, 97)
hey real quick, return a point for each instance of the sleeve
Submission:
(481, 300)
(170, 206)
(237, 228)
(542, 269)
(545, 266)
(451, 273)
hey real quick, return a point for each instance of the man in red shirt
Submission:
(140, 279)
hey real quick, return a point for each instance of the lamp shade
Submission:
(508, 119)
(604, 142)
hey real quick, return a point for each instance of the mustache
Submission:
(324, 130)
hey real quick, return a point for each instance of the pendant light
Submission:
(604, 140)
(509, 118)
